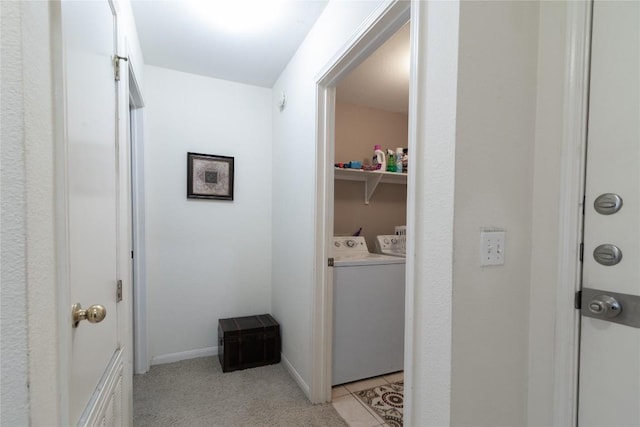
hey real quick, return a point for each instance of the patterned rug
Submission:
(386, 401)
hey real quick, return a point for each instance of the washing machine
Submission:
(391, 244)
(368, 311)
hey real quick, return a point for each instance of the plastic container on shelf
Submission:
(391, 161)
(405, 160)
(399, 155)
(379, 160)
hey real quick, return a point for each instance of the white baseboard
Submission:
(184, 355)
(296, 376)
(212, 351)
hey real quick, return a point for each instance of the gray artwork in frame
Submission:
(209, 176)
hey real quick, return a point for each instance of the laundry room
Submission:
(371, 111)
(370, 209)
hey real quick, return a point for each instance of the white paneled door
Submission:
(609, 392)
(90, 203)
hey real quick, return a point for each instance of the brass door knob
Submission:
(94, 314)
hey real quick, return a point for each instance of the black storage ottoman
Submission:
(248, 342)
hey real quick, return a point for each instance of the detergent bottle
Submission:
(379, 161)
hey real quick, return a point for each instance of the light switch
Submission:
(492, 247)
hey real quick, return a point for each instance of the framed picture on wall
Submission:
(209, 176)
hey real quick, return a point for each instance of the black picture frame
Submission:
(209, 176)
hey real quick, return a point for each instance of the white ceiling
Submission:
(174, 35)
(382, 80)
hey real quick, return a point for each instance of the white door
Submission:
(609, 393)
(90, 92)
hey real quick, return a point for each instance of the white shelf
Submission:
(370, 179)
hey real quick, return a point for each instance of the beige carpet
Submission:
(196, 393)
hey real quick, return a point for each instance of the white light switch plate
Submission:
(492, 247)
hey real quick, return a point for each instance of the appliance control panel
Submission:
(345, 245)
(392, 242)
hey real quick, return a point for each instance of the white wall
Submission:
(206, 259)
(13, 335)
(493, 187)
(294, 147)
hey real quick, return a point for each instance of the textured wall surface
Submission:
(29, 292)
(13, 339)
(431, 213)
(42, 289)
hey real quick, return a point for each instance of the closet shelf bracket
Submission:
(370, 185)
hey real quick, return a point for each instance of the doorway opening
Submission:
(375, 33)
(138, 234)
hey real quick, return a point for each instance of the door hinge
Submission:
(119, 291)
(581, 251)
(131, 254)
(116, 66)
(330, 262)
(577, 303)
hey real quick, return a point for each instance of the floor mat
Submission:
(386, 400)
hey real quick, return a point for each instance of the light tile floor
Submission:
(354, 412)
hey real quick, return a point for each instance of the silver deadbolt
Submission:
(607, 254)
(608, 203)
(605, 305)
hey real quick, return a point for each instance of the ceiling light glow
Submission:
(240, 16)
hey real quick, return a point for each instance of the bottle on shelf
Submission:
(399, 155)
(391, 161)
(379, 160)
(405, 160)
